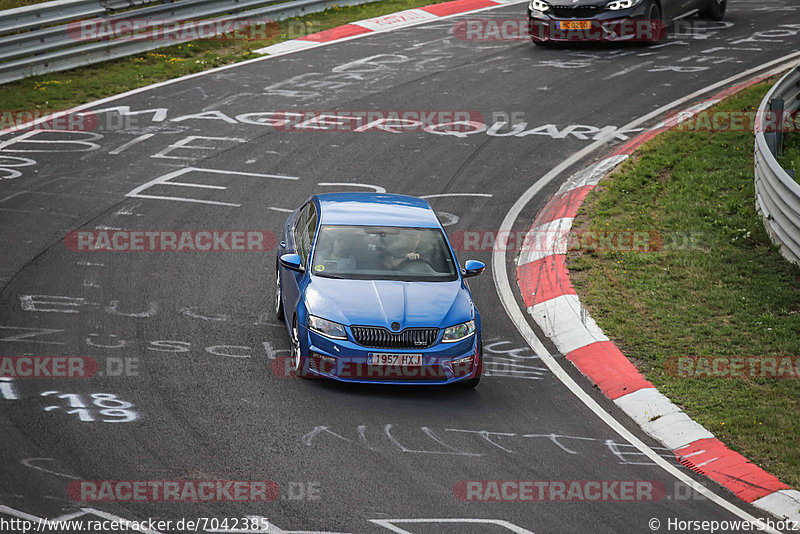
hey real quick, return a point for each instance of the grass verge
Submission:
(63, 90)
(11, 4)
(730, 294)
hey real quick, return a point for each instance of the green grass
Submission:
(732, 295)
(790, 159)
(11, 4)
(62, 90)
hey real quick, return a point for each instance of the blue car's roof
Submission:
(376, 209)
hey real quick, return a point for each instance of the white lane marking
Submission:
(387, 429)
(7, 390)
(630, 69)
(33, 332)
(272, 353)
(439, 195)
(485, 434)
(183, 144)
(389, 524)
(27, 138)
(132, 142)
(282, 210)
(514, 312)
(28, 462)
(447, 219)
(165, 180)
(113, 309)
(376, 188)
(194, 314)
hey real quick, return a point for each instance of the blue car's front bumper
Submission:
(346, 361)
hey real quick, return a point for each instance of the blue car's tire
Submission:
(298, 362)
(475, 380)
(278, 295)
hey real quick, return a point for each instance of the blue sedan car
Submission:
(370, 291)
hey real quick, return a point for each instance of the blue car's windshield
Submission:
(383, 253)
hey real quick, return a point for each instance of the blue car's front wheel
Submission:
(475, 380)
(298, 363)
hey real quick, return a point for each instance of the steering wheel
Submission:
(407, 261)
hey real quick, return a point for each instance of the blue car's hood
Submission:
(382, 302)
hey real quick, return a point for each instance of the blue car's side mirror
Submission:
(472, 268)
(293, 262)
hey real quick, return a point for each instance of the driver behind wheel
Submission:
(403, 250)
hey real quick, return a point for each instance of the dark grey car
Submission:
(613, 20)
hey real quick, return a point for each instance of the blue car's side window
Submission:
(304, 230)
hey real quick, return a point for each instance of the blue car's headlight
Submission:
(326, 328)
(458, 332)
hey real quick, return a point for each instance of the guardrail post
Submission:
(775, 125)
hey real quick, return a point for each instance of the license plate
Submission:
(404, 360)
(575, 25)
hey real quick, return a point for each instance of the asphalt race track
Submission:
(201, 398)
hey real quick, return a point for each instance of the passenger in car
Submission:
(340, 256)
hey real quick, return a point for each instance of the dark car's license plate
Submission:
(575, 25)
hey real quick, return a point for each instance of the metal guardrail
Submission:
(777, 193)
(38, 39)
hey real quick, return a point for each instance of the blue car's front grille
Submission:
(381, 338)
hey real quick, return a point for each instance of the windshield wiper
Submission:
(325, 275)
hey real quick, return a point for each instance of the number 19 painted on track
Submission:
(103, 407)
